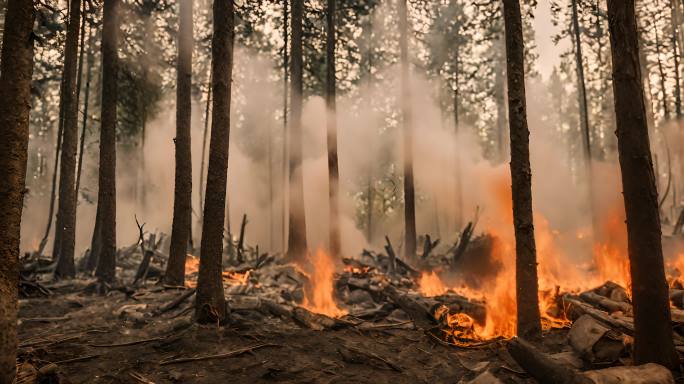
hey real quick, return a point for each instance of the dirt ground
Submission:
(118, 339)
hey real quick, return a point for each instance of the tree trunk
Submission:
(66, 212)
(182, 201)
(15, 103)
(333, 170)
(676, 52)
(296, 244)
(86, 103)
(210, 304)
(286, 81)
(529, 323)
(653, 330)
(106, 196)
(200, 188)
(407, 121)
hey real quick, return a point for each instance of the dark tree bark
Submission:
(210, 304)
(296, 244)
(529, 323)
(106, 196)
(676, 55)
(66, 213)
(653, 331)
(205, 134)
(15, 99)
(286, 82)
(182, 202)
(333, 170)
(86, 104)
(581, 84)
(407, 122)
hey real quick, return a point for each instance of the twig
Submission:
(236, 352)
(77, 359)
(135, 342)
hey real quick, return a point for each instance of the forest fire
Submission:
(318, 294)
(430, 284)
(610, 249)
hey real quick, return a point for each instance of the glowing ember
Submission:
(191, 266)
(321, 295)
(236, 277)
(431, 284)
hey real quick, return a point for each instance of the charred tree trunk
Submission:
(200, 188)
(15, 101)
(210, 304)
(296, 244)
(676, 56)
(653, 331)
(106, 196)
(333, 170)
(66, 213)
(581, 83)
(529, 323)
(182, 202)
(407, 122)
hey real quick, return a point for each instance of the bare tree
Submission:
(653, 331)
(407, 121)
(66, 213)
(529, 322)
(182, 202)
(15, 96)
(333, 170)
(106, 196)
(210, 304)
(296, 244)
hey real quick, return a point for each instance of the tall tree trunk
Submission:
(296, 244)
(200, 189)
(676, 56)
(370, 191)
(661, 68)
(66, 212)
(407, 121)
(15, 103)
(333, 170)
(86, 102)
(106, 196)
(286, 82)
(653, 331)
(210, 304)
(529, 323)
(182, 201)
(458, 179)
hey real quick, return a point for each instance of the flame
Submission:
(357, 270)
(240, 278)
(431, 284)
(321, 295)
(191, 266)
(610, 252)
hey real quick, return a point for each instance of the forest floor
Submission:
(96, 339)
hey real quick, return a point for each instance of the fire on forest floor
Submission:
(375, 318)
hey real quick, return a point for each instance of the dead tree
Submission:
(66, 212)
(86, 101)
(407, 121)
(333, 170)
(529, 323)
(15, 96)
(106, 196)
(182, 201)
(653, 330)
(296, 244)
(286, 82)
(210, 304)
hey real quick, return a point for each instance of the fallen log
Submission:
(549, 371)
(420, 315)
(606, 303)
(595, 342)
(576, 308)
(176, 302)
(317, 321)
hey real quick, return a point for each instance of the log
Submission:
(176, 302)
(391, 269)
(595, 342)
(541, 366)
(606, 303)
(420, 315)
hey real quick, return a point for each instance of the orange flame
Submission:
(322, 300)
(431, 285)
(191, 266)
(610, 251)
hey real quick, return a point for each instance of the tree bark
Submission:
(333, 170)
(296, 244)
(653, 331)
(182, 202)
(106, 196)
(286, 82)
(15, 98)
(529, 323)
(66, 213)
(407, 122)
(86, 103)
(200, 188)
(210, 304)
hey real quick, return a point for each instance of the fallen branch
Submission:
(176, 302)
(135, 342)
(234, 353)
